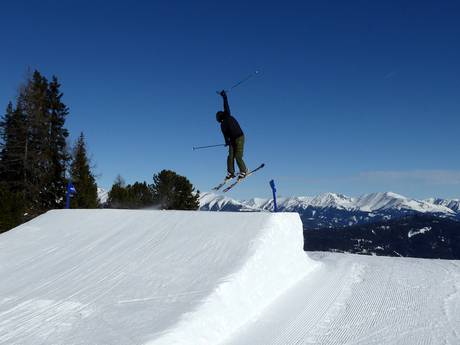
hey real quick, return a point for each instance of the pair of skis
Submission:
(235, 182)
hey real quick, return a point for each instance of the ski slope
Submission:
(144, 277)
(365, 300)
(127, 277)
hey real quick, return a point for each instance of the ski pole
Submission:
(206, 147)
(255, 73)
(245, 79)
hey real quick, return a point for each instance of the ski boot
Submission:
(242, 175)
(229, 176)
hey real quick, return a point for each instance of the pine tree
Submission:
(12, 133)
(13, 138)
(33, 101)
(135, 196)
(58, 154)
(118, 194)
(174, 192)
(139, 195)
(43, 145)
(82, 178)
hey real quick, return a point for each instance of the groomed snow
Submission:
(144, 277)
(158, 277)
(364, 300)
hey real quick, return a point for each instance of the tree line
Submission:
(36, 163)
(169, 191)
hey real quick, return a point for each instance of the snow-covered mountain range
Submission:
(337, 210)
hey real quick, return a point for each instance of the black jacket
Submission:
(229, 126)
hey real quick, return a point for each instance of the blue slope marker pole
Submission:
(275, 206)
(70, 191)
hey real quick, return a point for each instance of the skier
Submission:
(234, 139)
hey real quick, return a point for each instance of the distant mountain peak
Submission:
(390, 200)
(216, 202)
(332, 200)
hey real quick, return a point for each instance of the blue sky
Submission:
(352, 97)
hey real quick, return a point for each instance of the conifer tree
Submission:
(139, 195)
(12, 133)
(135, 196)
(174, 192)
(82, 178)
(57, 150)
(33, 102)
(118, 194)
(43, 148)
(13, 138)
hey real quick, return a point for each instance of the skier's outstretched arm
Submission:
(226, 106)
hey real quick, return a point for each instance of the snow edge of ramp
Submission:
(276, 262)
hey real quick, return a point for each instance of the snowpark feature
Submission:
(170, 277)
(144, 277)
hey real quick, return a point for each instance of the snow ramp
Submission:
(144, 277)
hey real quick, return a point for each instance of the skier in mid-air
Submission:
(234, 139)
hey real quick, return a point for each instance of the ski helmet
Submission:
(220, 116)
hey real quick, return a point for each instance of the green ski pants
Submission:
(235, 152)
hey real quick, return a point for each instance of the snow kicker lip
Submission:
(275, 262)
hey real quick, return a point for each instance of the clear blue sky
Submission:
(353, 96)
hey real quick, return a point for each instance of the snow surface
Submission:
(144, 277)
(169, 277)
(365, 300)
